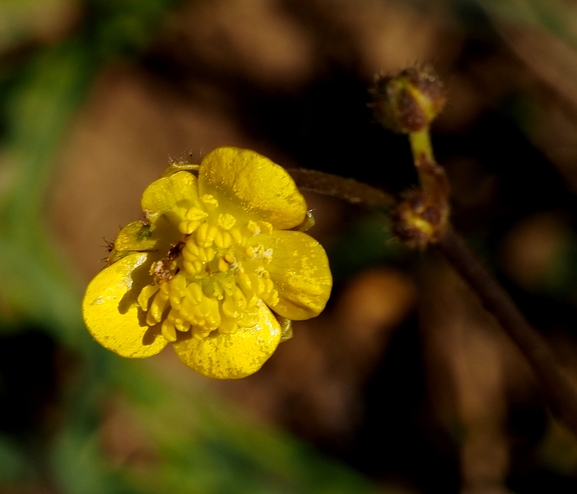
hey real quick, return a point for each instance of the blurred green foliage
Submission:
(198, 443)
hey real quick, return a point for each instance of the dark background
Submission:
(403, 385)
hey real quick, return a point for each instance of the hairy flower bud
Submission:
(409, 101)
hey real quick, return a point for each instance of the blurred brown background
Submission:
(404, 378)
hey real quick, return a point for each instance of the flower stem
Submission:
(407, 103)
(555, 385)
(347, 189)
(421, 145)
(556, 388)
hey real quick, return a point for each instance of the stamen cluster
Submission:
(213, 279)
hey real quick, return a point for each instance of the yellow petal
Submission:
(111, 311)
(134, 237)
(299, 269)
(245, 180)
(236, 355)
(141, 236)
(167, 194)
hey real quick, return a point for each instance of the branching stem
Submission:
(557, 389)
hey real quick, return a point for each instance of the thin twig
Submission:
(343, 188)
(555, 385)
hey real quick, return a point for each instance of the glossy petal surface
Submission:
(136, 236)
(111, 311)
(254, 184)
(167, 194)
(208, 265)
(140, 236)
(236, 355)
(300, 272)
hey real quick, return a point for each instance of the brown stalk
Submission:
(556, 387)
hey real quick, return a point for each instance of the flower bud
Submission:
(409, 101)
(419, 220)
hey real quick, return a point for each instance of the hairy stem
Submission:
(343, 188)
(556, 387)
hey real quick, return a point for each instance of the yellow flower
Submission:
(205, 270)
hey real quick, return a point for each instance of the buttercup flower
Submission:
(211, 268)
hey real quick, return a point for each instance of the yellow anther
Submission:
(201, 234)
(192, 226)
(189, 267)
(244, 282)
(223, 239)
(206, 314)
(175, 300)
(200, 333)
(178, 283)
(268, 285)
(194, 293)
(237, 236)
(206, 254)
(145, 295)
(204, 308)
(210, 253)
(182, 325)
(257, 284)
(226, 221)
(158, 305)
(226, 239)
(218, 241)
(186, 309)
(210, 234)
(168, 331)
(150, 320)
(189, 255)
(183, 227)
(202, 254)
(188, 227)
(213, 290)
(191, 246)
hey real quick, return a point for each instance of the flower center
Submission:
(213, 278)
